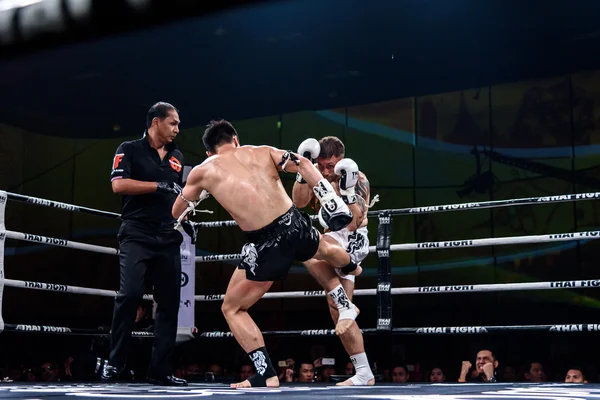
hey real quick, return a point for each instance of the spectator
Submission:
(306, 372)
(246, 371)
(437, 375)
(485, 368)
(508, 374)
(400, 374)
(534, 372)
(348, 368)
(575, 375)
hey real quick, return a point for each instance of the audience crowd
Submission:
(486, 367)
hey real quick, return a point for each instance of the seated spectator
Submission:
(437, 375)
(485, 368)
(400, 374)
(324, 371)
(348, 368)
(534, 372)
(194, 372)
(246, 371)
(306, 372)
(575, 375)
(286, 370)
(508, 374)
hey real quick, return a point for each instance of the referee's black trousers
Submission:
(154, 254)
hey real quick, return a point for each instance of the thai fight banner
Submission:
(188, 273)
(188, 268)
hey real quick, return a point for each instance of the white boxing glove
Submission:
(348, 170)
(310, 149)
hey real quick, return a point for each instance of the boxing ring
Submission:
(383, 291)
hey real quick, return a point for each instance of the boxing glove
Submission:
(310, 149)
(348, 170)
(190, 229)
(168, 187)
(334, 214)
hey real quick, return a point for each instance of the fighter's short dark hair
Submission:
(218, 133)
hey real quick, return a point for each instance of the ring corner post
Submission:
(3, 200)
(384, 273)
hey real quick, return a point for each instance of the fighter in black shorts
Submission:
(245, 181)
(270, 251)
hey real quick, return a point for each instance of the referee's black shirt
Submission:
(137, 160)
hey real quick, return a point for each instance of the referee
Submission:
(148, 173)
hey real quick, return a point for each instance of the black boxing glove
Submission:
(334, 214)
(168, 187)
(190, 229)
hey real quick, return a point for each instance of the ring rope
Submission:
(399, 211)
(424, 330)
(62, 206)
(218, 257)
(490, 204)
(496, 287)
(463, 243)
(57, 287)
(67, 330)
(28, 237)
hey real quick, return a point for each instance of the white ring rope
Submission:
(553, 237)
(28, 237)
(491, 204)
(55, 287)
(496, 287)
(62, 206)
(559, 237)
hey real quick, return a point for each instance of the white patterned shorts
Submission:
(356, 243)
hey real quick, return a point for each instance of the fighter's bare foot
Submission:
(348, 382)
(271, 382)
(344, 324)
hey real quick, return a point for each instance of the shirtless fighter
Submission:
(245, 181)
(353, 187)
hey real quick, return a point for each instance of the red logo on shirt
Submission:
(175, 164)
(117, 160)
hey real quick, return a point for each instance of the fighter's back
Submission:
(245, 181)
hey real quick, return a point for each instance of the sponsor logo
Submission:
(117, 160)
(462, 288)
(54, 204)
(452, 329)
(317, 332)
(43, 239)
(566, 328)
(174, 163)
(384, 322)
(384, 220)
(46, 286)
(383, 253)
(213, 296)
(314, 292)
(185, 279)
(142, 334)
(42, 328)
(384, 287)
(216, 334)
